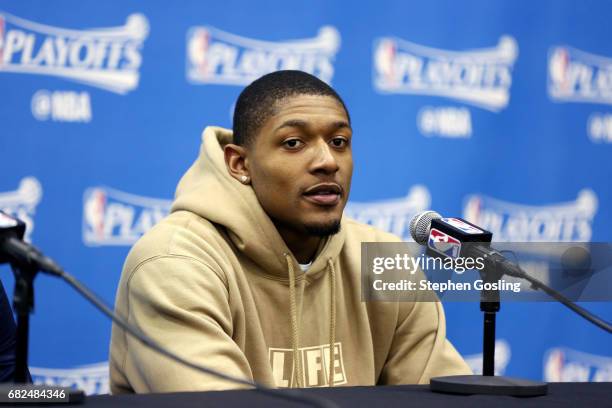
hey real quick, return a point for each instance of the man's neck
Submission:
(302, 246)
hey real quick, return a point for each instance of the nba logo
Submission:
(1, 38)
(385, 60)
(558, 70)
(198, 51)
(443, 243)
(95, 211)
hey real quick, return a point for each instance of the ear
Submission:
(237, 162)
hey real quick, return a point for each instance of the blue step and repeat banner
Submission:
(499, 112)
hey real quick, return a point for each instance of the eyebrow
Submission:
(304, 125)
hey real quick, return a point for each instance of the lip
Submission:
(333, 187)
(325, 194)
(323, 199)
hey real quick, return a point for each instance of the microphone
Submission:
(423, 223)
(19, 253)
(458, 238)
(455, 232)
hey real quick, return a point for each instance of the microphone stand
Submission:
(488, 382)
(23, 303)
(489, 305)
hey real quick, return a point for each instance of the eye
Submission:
(293, 144)
(339, 142)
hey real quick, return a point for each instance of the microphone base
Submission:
(490, 385)
(26, 394)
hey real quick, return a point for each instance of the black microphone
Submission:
(19, 253)
(458, 238)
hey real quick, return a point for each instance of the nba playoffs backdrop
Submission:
(498, 112)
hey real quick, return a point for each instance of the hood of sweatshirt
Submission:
(208, 190)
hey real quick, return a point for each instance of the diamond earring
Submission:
(244, 179)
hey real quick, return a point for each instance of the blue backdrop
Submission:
(498, 112)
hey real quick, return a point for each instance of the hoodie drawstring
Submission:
(332, 321)
(297, 362)
(294, 326)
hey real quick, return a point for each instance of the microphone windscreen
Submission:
(420, 225)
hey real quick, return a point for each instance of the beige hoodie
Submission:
(215, 283)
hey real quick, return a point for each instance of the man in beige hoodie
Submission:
(256, 273)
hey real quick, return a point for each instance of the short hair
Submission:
(257, 101)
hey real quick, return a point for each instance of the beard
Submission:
(323, 230)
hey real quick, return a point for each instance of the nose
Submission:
(324, 159)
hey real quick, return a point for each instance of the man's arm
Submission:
(420, 349)
(184, 306)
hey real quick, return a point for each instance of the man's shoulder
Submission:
(366, 233)
(181, 234)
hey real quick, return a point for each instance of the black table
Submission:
(588, 395)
